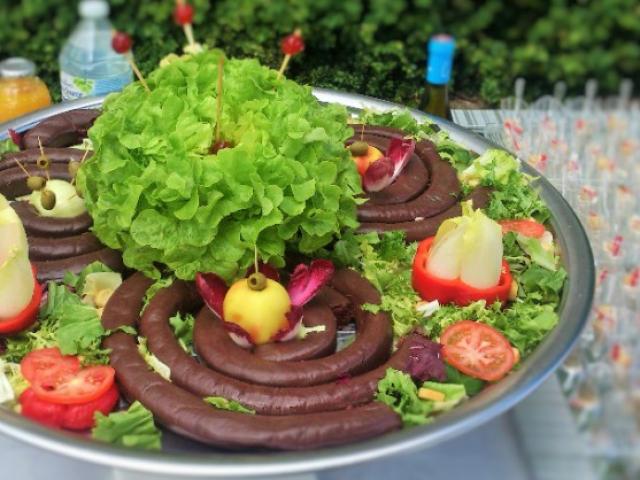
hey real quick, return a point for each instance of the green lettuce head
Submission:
(156, 192)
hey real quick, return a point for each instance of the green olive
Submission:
(48, 199)
(359, 148)
(73, 167)
(43, 162)
(257, 281)
(36, 183)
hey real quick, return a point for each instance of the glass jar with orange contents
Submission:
(21, 91)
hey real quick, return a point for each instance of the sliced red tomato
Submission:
(48, 362)
(478, 350)
(71, 417)
(73, 388)
(528, 228)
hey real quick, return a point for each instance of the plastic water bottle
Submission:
(88, 65)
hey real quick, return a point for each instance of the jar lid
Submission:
(17, 67)
(94, 9)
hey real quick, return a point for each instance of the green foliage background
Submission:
(376, 47)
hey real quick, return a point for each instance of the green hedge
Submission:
(376, 47)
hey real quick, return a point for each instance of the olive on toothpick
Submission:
(36, 183)
(47, 199)
(359, 148)
(291, 45)
(122, 43)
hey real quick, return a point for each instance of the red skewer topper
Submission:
(291, 45)
(122, 43)
(183, 16)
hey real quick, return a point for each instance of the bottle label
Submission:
(77, 87)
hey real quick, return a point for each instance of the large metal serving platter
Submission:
(185, 458)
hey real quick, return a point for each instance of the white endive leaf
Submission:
(482, 252)
(16, 277)
(444, 259)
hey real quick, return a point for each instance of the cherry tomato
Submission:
(71, 417)
(292, 44)
(49, 363)
(478, 350)
(72, 388)
(528, 228)
(121, 42)
(183, 14)
(27, 316)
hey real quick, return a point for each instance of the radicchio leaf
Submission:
(384, 171)
(238, 334)
(294, 319)
(306, 281)
(15, 137)
(212, 289)
(425, 361)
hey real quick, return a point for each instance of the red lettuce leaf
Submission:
(15, 137)
(306, 281)
(212, 289)
(425, 361)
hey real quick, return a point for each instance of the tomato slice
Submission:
(478, 350)
(528, 228)
(72, 388)
(48, 362)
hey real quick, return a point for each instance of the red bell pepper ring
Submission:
(27, 316)
(454, 291)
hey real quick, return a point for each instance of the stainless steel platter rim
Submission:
(575, 307)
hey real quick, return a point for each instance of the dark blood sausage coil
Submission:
(370, 349)
(440, 194)
(420, 217)
(187, 414)
(55, 269)
(56, 245)
(56, 248)
(30, 157)
(340, 305)
(13, 181)
(61, 130)
(421, 229)
(413, 179)
(37, 225)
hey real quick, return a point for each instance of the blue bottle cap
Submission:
(440, 54)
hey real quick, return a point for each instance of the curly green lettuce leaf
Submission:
(156, 192)
(155, 287)
(472, 386)
(7, 146)
(493, 167)
(537, 252)
(226, 404)
(133, 428)
(153, 362)
(454, 393)
(398, 391)
(182, 325)
(76, 281)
